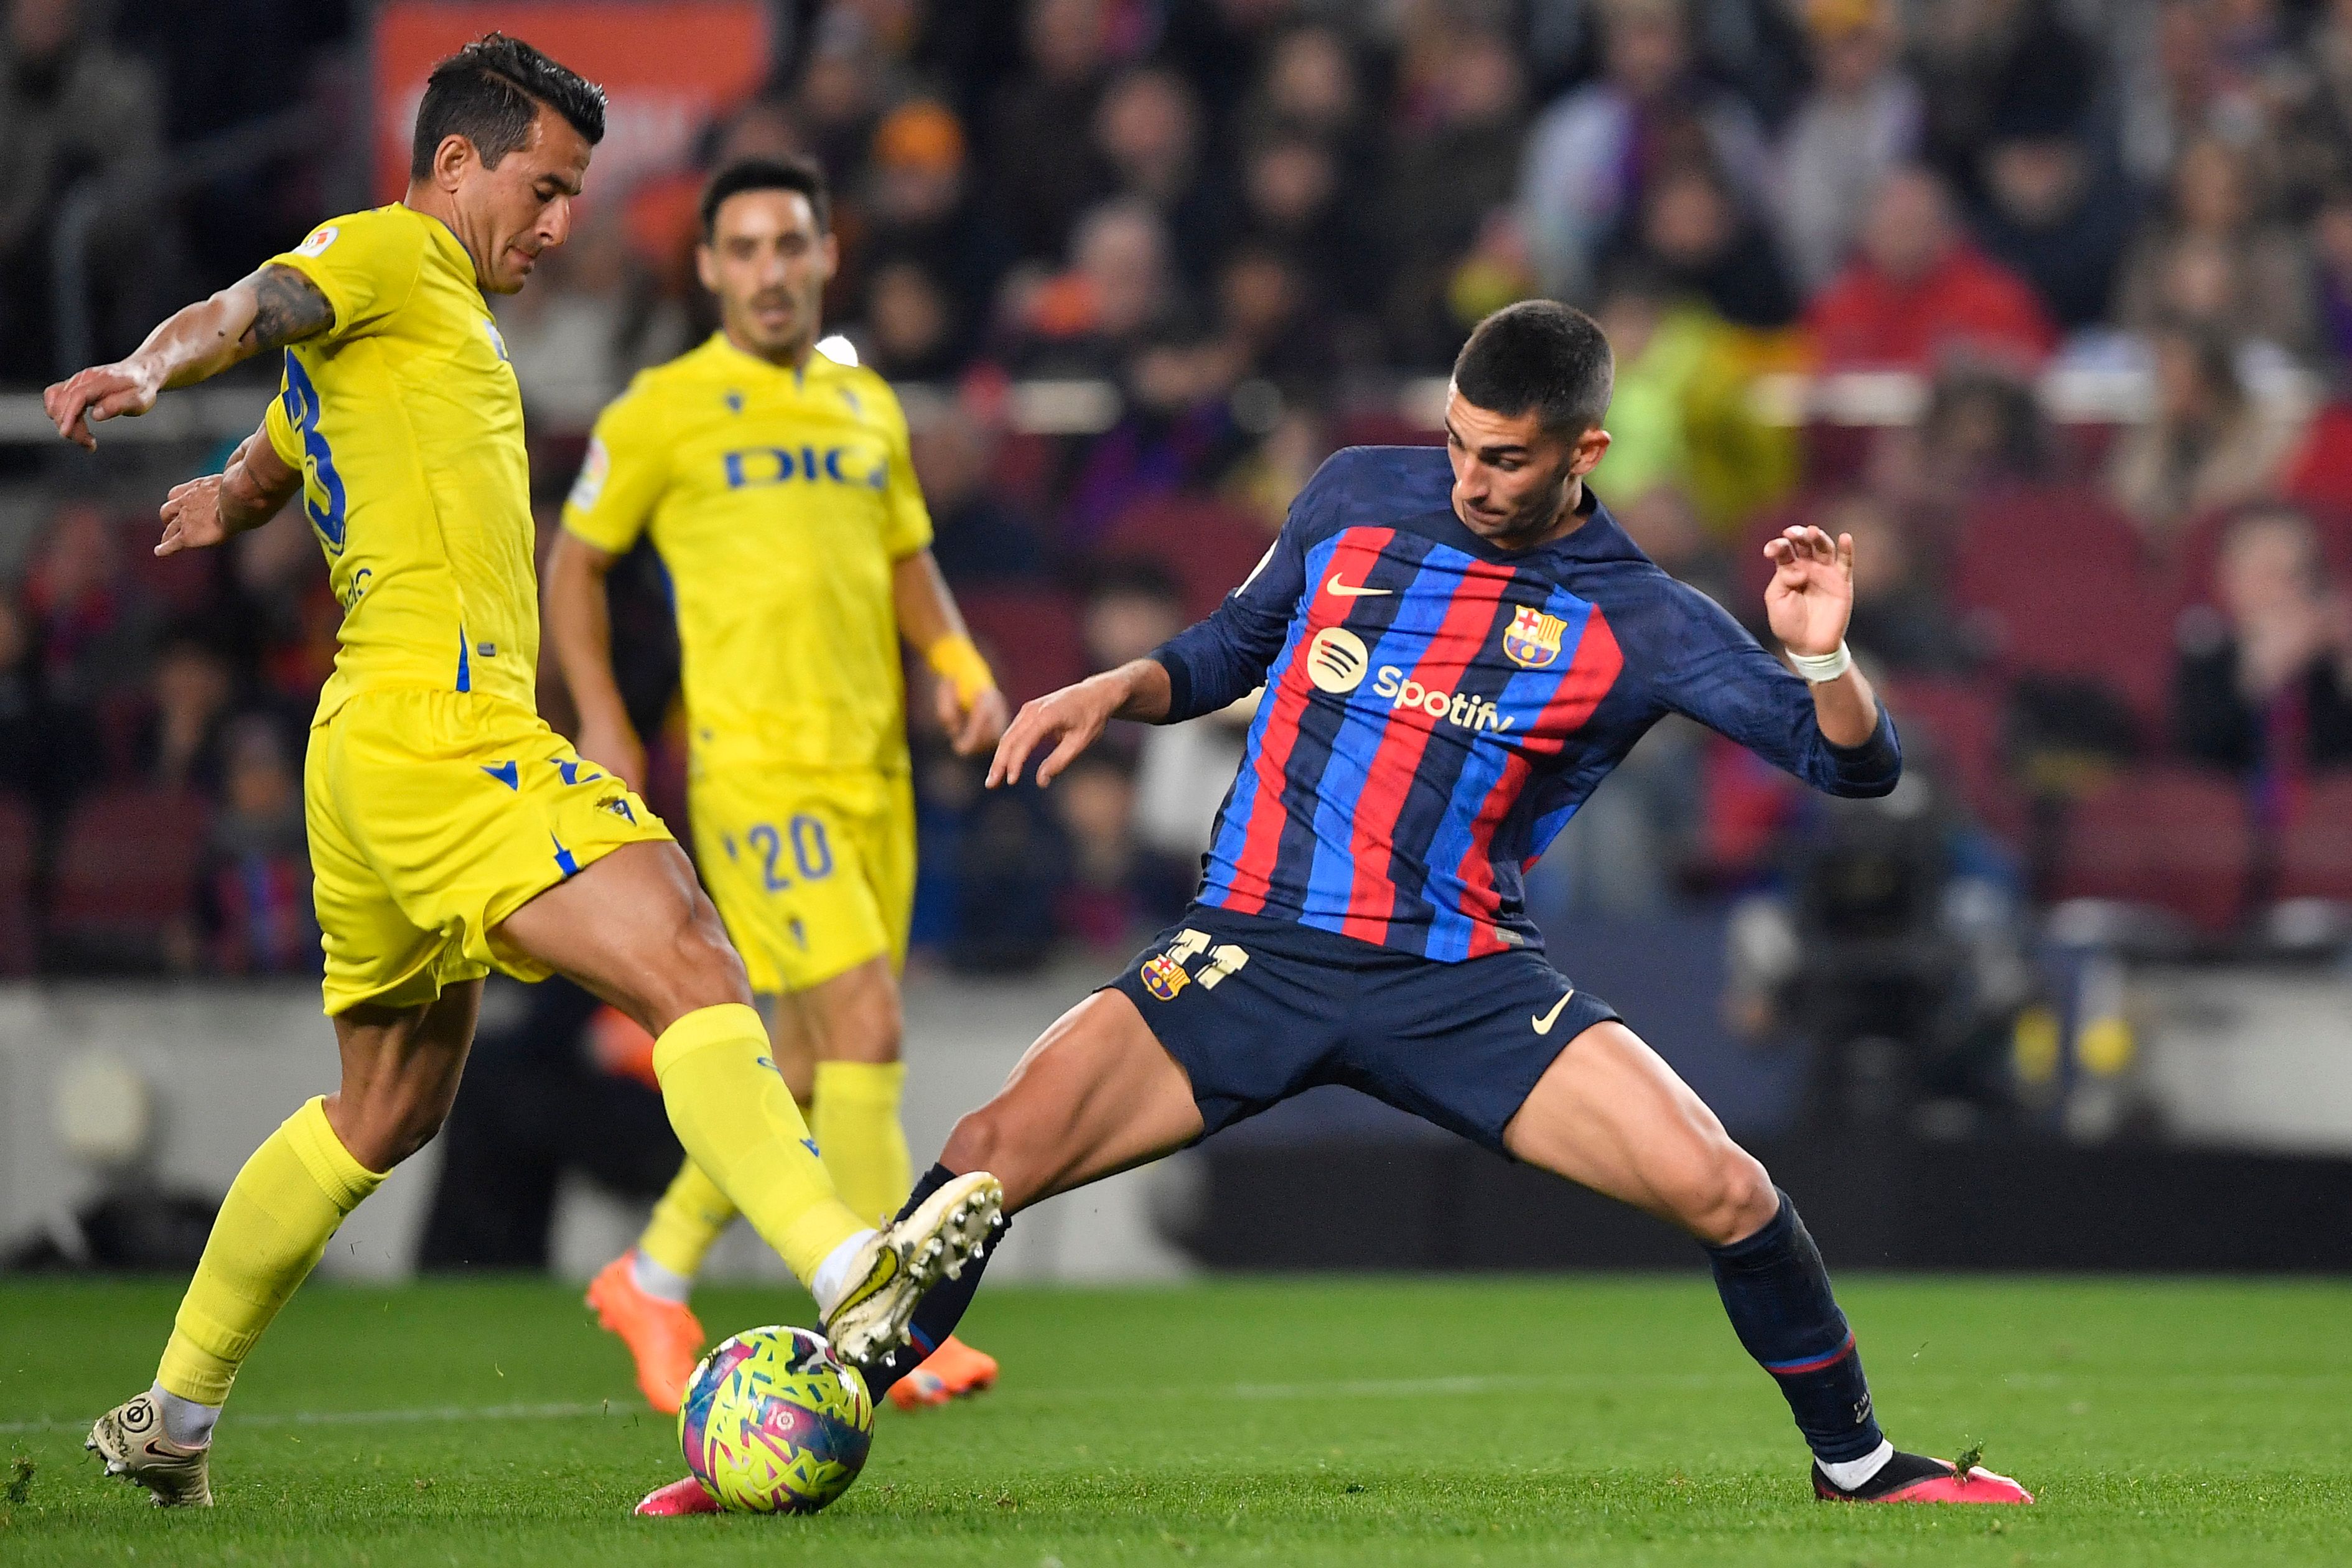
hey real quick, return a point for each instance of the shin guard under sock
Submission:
(856, 1122)
(1778, 1295)
(730, 1109)
(272, 1227)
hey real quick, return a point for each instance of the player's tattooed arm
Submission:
(286, 308)
(272, 307)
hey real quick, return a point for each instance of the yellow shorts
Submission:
(434, 816)
(814, 873)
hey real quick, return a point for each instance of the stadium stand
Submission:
(2165, 837)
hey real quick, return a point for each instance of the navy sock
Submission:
(942, 1308)
(1777, 1294)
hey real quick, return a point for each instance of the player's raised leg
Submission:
(853, 1028)
(635, 929)
(837, 1046)
(1610, 1115)
(401, 1067)
(1096, 1095)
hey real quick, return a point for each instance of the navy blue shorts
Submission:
(1256, 1010)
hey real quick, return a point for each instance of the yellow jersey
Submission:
(406, 423)
(780, 500)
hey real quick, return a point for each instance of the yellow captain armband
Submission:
(958, 663)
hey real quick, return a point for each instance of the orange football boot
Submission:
(953, 1370)
(664, 1337)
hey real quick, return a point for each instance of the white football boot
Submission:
(903, 1260)
(131, 1439)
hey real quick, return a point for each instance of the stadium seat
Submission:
(2166, 838)
(2321, 473)
(1208, 545)
(1954, 725)
(2062, 585)
(1027, 468)
(126, 876)
(2314, 846)
(1031, 635)
(19, 845)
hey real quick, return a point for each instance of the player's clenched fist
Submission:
(1069, 718)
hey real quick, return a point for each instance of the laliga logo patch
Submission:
(1533, 638)
(597, 464)
(321, 238)
(1336, 660)
(1163, 976)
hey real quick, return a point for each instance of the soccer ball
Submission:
(773, 1422)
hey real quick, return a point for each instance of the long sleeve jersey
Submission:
(1437, 709)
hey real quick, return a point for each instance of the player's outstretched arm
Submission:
(580, 626)
(1809, 602)
(1068, 720)
(273, 307)
(247, 492)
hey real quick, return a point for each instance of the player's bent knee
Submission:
(985, 1139)
(1732, 1198)
(702, 970)
(384, 1130)
(974, 1143)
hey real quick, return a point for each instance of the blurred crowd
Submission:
(1141, 264)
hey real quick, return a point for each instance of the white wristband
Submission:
(1818, 667)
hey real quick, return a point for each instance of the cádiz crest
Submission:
(1533, 638)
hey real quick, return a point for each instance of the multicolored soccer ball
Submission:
(773, 1422)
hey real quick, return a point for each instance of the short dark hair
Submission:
(1539, 354)
(489, 92)
(789, 172)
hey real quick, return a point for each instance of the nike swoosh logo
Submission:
(1344, 592)
(1544, 1021)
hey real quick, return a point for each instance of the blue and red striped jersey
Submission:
(1436, 710)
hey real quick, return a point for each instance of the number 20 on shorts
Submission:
(811, 852)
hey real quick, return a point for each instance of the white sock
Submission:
(185, 1421)
(1848, 1474)
(662, 1284)
(829, 1283)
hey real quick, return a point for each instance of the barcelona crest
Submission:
(1533, 638)
(1163, 976)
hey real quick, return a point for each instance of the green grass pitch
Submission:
(1276, 1421)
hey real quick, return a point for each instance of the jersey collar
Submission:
(723, 346)
(445, 243)
(1598, 539)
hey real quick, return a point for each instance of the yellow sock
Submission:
(276, 1221)
(856, 1126)
(692, 1214)
(738, 1123)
